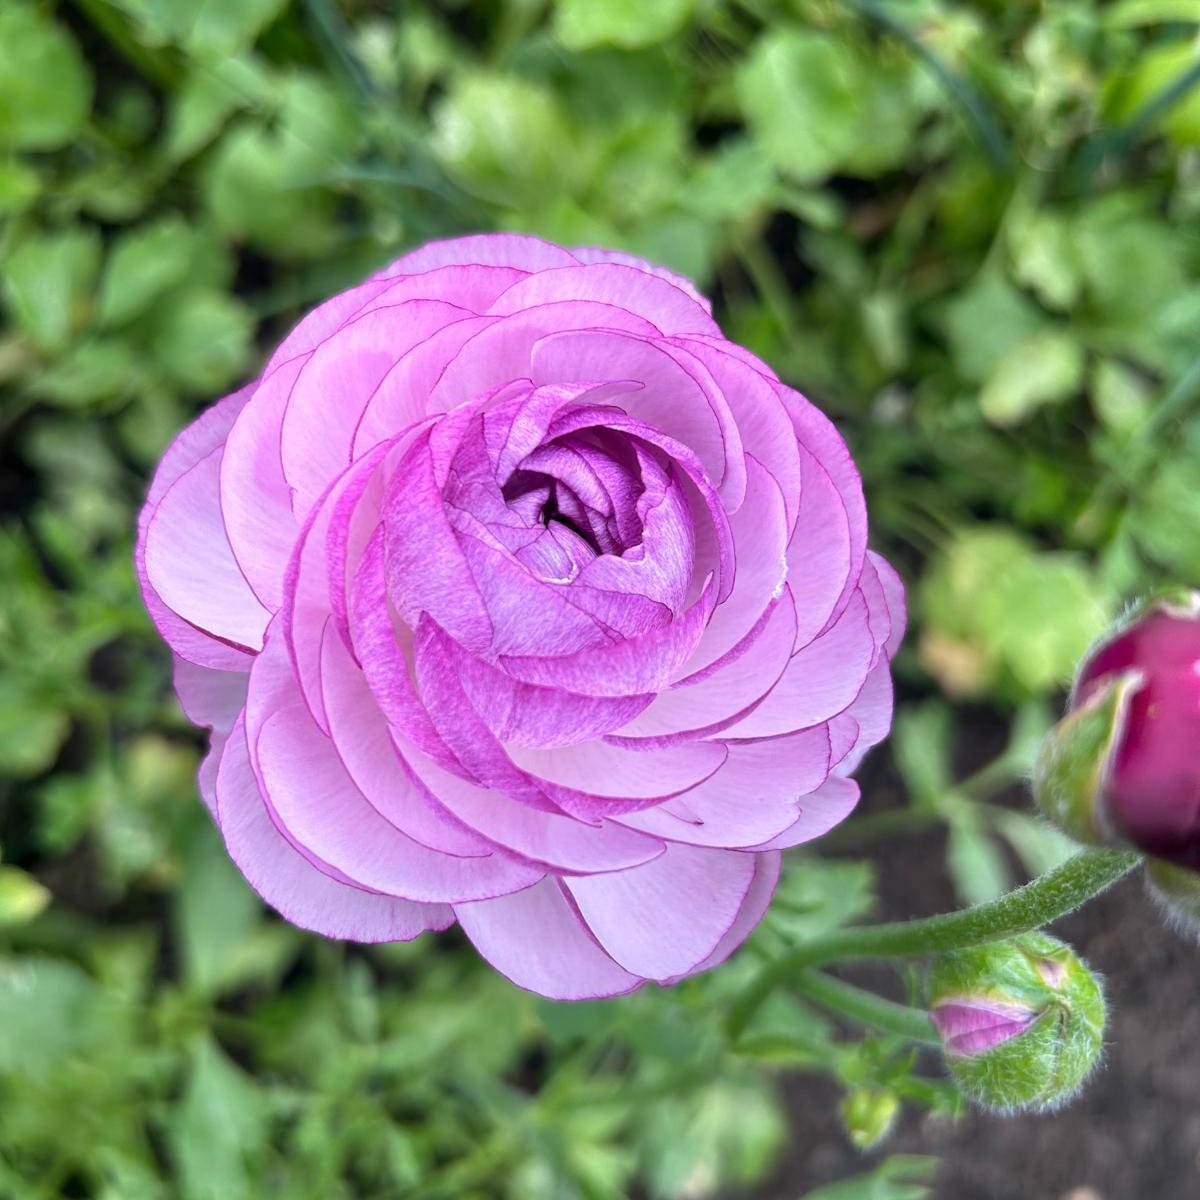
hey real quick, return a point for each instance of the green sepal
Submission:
(1068, 777)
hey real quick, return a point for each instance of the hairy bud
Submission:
(1021, 1022)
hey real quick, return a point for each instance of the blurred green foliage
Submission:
(965, 229)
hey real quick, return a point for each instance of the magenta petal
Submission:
(681, 403)
(535, 939)
(974, 1025)
(872, 716)
(765, 427)
(630, 667)
(664, 918)
(364, 743)
(289, 883)
(820, 556)
(727, 692)
(893, 592)
(523, 714)
(760, 537)
(402, 397)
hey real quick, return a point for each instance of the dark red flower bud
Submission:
(1150, 783)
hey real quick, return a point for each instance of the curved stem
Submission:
(1039, 902)
(865, 1007)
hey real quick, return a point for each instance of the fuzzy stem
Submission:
(1039, 902)
(865, 1007)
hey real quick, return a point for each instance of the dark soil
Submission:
(1134, 1133)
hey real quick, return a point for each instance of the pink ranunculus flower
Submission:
(515, 595)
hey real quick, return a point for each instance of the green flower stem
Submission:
(865, 1007)
(1039, 902)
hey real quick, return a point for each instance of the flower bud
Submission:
(1021, 1022)
(1123, 766)
(868, 1115)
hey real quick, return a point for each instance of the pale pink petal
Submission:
(820, 811)
(664, 918)
(557, 842)
(308, 792)
(596, 254)
(766, 875)
(725, 694)
(328, 398)
(207, 697)
(190, 564)
(676, 398)
(255, 498)
(820, 681)
(766, 429)
(535, 939)
(669, 308)
(363, 741)
(290, 884)
(760, 536)
(516, 250)
(756, 795)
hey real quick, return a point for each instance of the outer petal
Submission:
(762, 888)
(190, 564)
(288, 882)
(195, 442)
(665, 918)
(535, 939)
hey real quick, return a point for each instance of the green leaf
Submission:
(1044, 368)
(1165, 516)
(921, 744)
(986, 322)
(506, 139)
(901, 1177)
(31, 733)
(93, 371)
(49, 1009)
(202, 339)
(1041, 847)
(815, 896)
(45, 85)
(48, 281)
(217, 1129)
(974, 860)
(801, 93)
(1121, 396)
(217, 911)
(143, 263)
(584, 24)
(21, 897)
(1044, 259)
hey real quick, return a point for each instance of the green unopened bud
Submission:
(868, 1115)
(1176, 891)
(1022, 1021)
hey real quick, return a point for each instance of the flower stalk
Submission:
(1024, 910)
